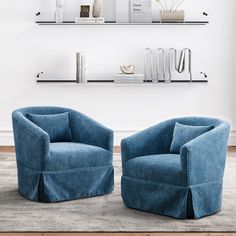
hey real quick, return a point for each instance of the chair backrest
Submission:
(193, 121)
(198, 121)
(167, 128)
(42, 110)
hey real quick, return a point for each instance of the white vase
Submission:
(96, 8)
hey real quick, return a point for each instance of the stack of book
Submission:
(128, 78)
(89, 20)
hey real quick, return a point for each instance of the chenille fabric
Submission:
(60, 171)
(184, 185)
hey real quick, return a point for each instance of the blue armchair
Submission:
(72, 160)
(183, 185)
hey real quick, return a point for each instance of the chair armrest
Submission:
(31, 142)
(203, 158)
(88, 131)
(154, 140)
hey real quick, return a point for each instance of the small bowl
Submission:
(130, 69)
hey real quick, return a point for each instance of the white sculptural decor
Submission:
(170, 11)
(96, 9)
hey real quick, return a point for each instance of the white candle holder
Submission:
(59, 15)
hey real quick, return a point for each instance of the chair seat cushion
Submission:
(76, 155)
(163, 168)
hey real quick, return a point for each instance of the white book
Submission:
(89, 20)
(141, 11)
(100, 20)
(85, 20)
(128, 81)
(128, 76)
(122, 11)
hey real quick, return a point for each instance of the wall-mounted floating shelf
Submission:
(46, 78)
(48, 18)
(114, 23)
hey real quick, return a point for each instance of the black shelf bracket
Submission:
(38, 75)
(204, 74)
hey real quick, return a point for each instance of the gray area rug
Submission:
(102, 214)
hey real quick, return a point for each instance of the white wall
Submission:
(26, 48)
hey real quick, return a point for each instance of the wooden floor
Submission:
(7, 149)
(117, 234)
(117, 150)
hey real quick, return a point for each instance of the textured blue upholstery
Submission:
(52, 172)
(76, 155)
(188, 185)
(57, 126)
(156, 168)
(184, 133)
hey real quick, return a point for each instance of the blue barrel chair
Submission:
(167, 172)
(61, 154)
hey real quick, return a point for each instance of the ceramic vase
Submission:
(96, 8)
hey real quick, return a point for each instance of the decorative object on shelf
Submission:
(84, 10)
(148, 64)
(158, 66)
(96, 9)
(170, 5)
(172, 16)
(170, 11)
(122, 78)
(85, 20)
(89, 20)
(100, 20)
(141, 11)
(128, 69)
(109, 10)
(122, 11)
(59, 11)
(81, 68)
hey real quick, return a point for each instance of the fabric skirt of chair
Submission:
(171, 200)
(56, 186)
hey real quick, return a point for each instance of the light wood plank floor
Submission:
(11, 149)
(117, 234)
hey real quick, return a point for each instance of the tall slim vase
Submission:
(96, 9)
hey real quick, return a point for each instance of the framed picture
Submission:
(84, 10)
